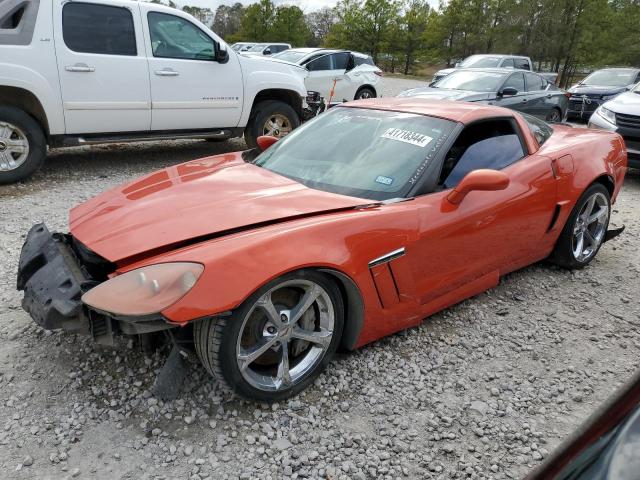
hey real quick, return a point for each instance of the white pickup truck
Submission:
(98, 71)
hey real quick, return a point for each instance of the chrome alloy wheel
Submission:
(590, 227)
(14, 147)
(277, 125)
(364, 94)
(285, 335)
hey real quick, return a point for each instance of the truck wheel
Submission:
(271, 117)
(22, 145)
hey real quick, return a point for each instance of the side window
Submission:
(516, 81)
(176, 37)
(340, 60)
(541, 130)
(362, 60)
(534, 82)
(522, 64)
(507, 63)
(17, 22)
(92, 28)
(321, 63)
(494, 144)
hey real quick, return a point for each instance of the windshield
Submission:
(613, 78)
(256, 48)
(471, 81)
(290, 56)
(478, 61)
(363, 153)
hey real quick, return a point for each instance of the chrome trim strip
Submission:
(387, 257)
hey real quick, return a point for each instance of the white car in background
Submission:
(258, 49)
(354, 74)
(242, 46)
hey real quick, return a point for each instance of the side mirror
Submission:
(222, 55)
(432, 84)
(508, 91)
(265, 141)
(483, 179)
(266, 51)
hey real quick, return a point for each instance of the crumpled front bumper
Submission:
(52, 281)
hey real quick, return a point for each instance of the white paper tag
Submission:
(407, 136)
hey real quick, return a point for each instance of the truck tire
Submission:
(23, 146)
(270, 117)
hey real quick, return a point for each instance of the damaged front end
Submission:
(54, 271)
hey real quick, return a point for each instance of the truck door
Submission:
(102, 67)
(189, 88)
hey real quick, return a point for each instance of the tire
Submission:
(267, 111)
(365, 92)
(23, 146)
(221, 342)
(568, 252)
(554, 116)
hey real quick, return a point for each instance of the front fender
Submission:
(342, 244)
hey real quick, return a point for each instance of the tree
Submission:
(289, 26)
(413, 25)
(226, 21)
(319, 24)
(257, 21)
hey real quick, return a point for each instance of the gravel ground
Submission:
(485, 389)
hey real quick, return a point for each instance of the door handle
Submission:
(167, 72)
(338, 79)
(79, 67)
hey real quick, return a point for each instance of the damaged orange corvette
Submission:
(360, 223)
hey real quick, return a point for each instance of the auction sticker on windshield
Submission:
(407, 136)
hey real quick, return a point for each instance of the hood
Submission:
(442, 94)
(596, 90)
(626, 103)
(202, 198)
(259, 62)
(444, 72)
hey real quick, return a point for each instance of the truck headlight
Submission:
(607, 114)
(145, 290)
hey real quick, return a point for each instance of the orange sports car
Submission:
(358, 224)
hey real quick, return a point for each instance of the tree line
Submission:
(564, 36)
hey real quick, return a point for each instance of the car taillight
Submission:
(379, 73)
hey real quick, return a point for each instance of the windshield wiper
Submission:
(383, 202)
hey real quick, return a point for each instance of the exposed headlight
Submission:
(145, 290)
(607, 114)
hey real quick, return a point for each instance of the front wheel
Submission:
(278, 341)
(364, 93)
(585, 230)
(271, 117)
(22, 145)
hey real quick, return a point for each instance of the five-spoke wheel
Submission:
(585, 230)
(278, 340)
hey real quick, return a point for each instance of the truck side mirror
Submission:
(508, 91)
(222, 55)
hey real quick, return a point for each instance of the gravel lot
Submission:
(485, 389)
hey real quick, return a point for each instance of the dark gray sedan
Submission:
(519, 90)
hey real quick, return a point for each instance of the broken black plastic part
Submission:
(613, 233)
(51, 280)
(170, 379)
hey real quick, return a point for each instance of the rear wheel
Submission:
(22, 145)
(271, 117)
(278, 341)
(554, 116)
(585, 230)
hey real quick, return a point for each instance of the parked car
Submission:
(242, 46)
(78, 73)
(493, 61)
(622, 115)
(520, 90)
(605, 447)
(354, 73)
(360, 223)
(259, 49)
(599, 87)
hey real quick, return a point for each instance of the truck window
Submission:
(507, 63)
(522, 64)
(102, 29)
(176, 37)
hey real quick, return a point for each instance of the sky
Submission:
(305, 5)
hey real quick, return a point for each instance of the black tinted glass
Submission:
(322, 63)
(534, 82)
(340, 61)
(516, 81)
(522, 64)
(91, 28)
